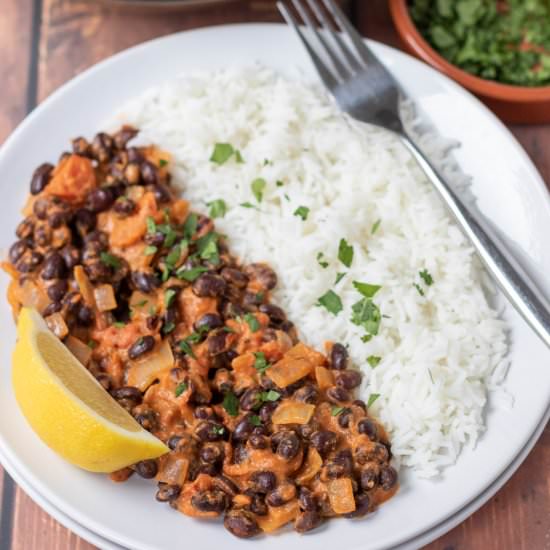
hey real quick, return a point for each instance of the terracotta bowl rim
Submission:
(415, 41)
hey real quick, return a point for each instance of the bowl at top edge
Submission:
(516, 104)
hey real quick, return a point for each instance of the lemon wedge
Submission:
(68, 409)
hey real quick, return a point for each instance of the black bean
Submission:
(243, 429)
(98, 272)
(140, 346)
(344, 418)
(99, 200)
(209, 469)
(209, 431)
(263, 482)
(161, 193)
(307, 394)
(209, 285)
(146, 282)
(360, 403)
(29, 262)
(134, 155)
(154, 239)
(373, 453)
(250, 399)
(348, 379)
(282, 494)
(85, 220)
(99, 237)
(340, 465)
(337, 395)
(167, 492)
(17, 250)
(228, 486)
(128, 392)
(235, 277)
(258, 441)
(307, 430)
(147, 468)
(42, 235)
(57, 290)
(257, 504)
(147, 420)
(123, 136)
(51, 308)
(251, 300)
(41, 207)
(292, 388)
(149, 172)
(263, 274)
(388, 477)
(369, 477)
(241, 524)
(289, 446)
(41, 178)
(208, 322)
(368, 427)
(266, 411)
(57, 219)
(102, 145)
(240, 454)
(216, 342)
(70, 255)
(275, 313)
(54, 267)
(25, 228)
(85, 315)
(80, 146)
(362, 506)
(205, 413)
(307, 500)
(307, 521)
(210, 501)
(231, 310)
(174, 441)
(211, 454)
(338, 357)
(125, 206)
(324, 441)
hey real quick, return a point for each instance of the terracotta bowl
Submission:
(516, 104)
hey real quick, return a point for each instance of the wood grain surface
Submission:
(44, 43)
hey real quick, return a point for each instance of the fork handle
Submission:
(512, 279)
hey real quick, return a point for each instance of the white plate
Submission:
(510, 192)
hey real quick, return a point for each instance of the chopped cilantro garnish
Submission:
(218, 208)
(190, 225)
(366, 289)
(173, 256)
(373, 360)
(258, 187)
(339, 277)
(322, 263)
(247, 205)
(331, 301)
(180, 388)
(222, 153)
(279, 183)
(260, 364)
(207, 248)
(151, 225)
(190, 274)
(163, 162)
(335, 411)
(375, 226)
(431, 377)
(425, 275)
(420, 291)
(186, 348)
(110, 260)
(165, 274)
(119, 324)
(345, 252)
(302, 212)
(287, 197)
(168, 327)
(255, 420)
(231, 404)
(92, 344)
(372, 398)
(150, 250)
(219, 430)
(270, 395)
(366, 314)
(170, 235)
(238, 157)
(169, 296)
(252, 322)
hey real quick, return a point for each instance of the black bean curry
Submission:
(263, 429)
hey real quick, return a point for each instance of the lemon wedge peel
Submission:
(68, 409)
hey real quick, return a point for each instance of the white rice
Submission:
(440, 352)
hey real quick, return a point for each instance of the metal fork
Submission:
(367, 91)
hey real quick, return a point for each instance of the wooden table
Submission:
(44, 43)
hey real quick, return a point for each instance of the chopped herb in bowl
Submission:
(503, 40)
